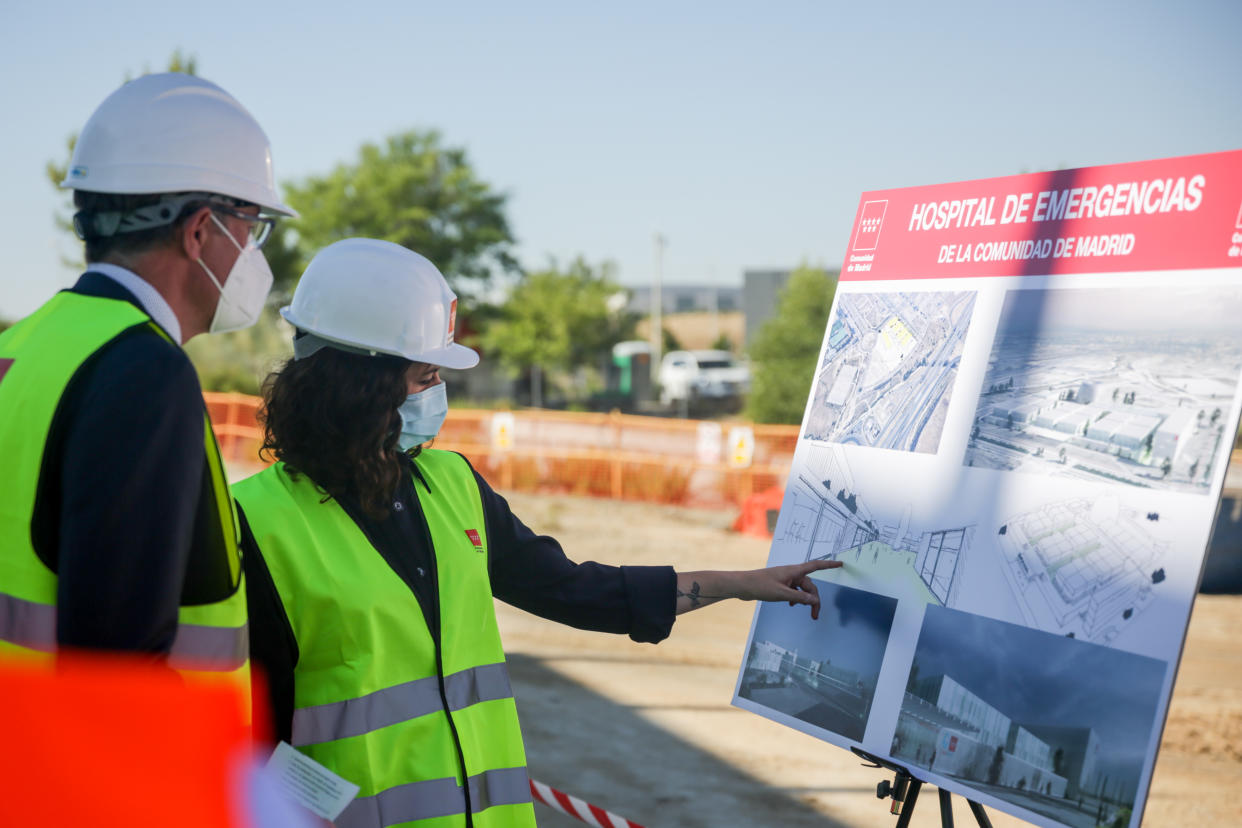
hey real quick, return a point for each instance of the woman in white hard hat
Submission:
(372, 561)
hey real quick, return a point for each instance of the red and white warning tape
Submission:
(575, 807)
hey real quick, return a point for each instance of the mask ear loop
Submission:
(203, 265)
(210, 275)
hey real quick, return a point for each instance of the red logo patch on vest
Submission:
(473, 535)
(5, 365)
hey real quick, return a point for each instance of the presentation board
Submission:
(1016, 440)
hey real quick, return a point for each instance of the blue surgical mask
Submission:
(422, 414)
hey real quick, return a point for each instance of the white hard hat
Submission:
(171, 133)
(376, 296)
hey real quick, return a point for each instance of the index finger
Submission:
(814, 566)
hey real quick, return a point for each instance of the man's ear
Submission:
(194, 233)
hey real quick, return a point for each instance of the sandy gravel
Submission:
(648, 731)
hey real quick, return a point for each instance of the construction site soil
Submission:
(648, 732)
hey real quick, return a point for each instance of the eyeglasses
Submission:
(260, 226)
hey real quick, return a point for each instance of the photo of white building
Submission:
(1106, 385)
(1050, 723)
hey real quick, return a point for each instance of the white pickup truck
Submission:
(699, 376)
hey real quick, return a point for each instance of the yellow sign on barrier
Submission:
(741, 447)
(503, 427)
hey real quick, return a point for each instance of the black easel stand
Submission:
(904, 789)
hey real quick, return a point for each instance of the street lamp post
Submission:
(657, 307)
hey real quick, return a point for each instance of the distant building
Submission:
(1020, 410)
(1028, 747)
(1074, 754)
(989, 724)
(1173, 435)
(682, 298)
(974, 740)
(1068, 417)
(839, 334)
(769, 656)
(1124, 433)
(761, 290)
(1125, 430)
(888, 535)
(843, 386)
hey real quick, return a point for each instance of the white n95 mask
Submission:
(422, 414)
(244, 291)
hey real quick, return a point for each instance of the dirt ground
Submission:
(648, 732)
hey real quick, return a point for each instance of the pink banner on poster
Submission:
(1175, 213)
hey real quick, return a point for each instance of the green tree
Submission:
(287, 259)
(240, 360)
(786, 347)
(559, 321)
(414, 191)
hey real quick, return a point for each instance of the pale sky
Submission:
(742, 132)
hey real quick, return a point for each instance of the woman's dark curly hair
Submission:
(333, 417)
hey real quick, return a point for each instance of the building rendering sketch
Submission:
(1106, 385)
(1082, 569)
(888, 369)
(826, 518)
(1054, 725)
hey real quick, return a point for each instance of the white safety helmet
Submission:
(376, 297)
(170, 133)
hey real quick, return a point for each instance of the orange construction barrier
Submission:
(105, 741)
(759, 512)
(620, 456)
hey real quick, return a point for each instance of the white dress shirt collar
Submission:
(152, 302)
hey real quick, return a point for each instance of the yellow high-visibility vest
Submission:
(39, 356)
(423, 727)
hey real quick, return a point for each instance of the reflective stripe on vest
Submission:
(436, 798)
(196, 647)
(353, 717)
(43, 353)
(27, 623)
(367, 695)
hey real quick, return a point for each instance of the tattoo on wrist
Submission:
(697, 599)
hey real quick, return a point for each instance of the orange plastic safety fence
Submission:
(619, 456)
(234, 417)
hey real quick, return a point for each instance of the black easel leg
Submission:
(907, 807)
(981, 816)
(946, 808)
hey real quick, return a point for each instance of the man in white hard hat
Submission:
(116, 527)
